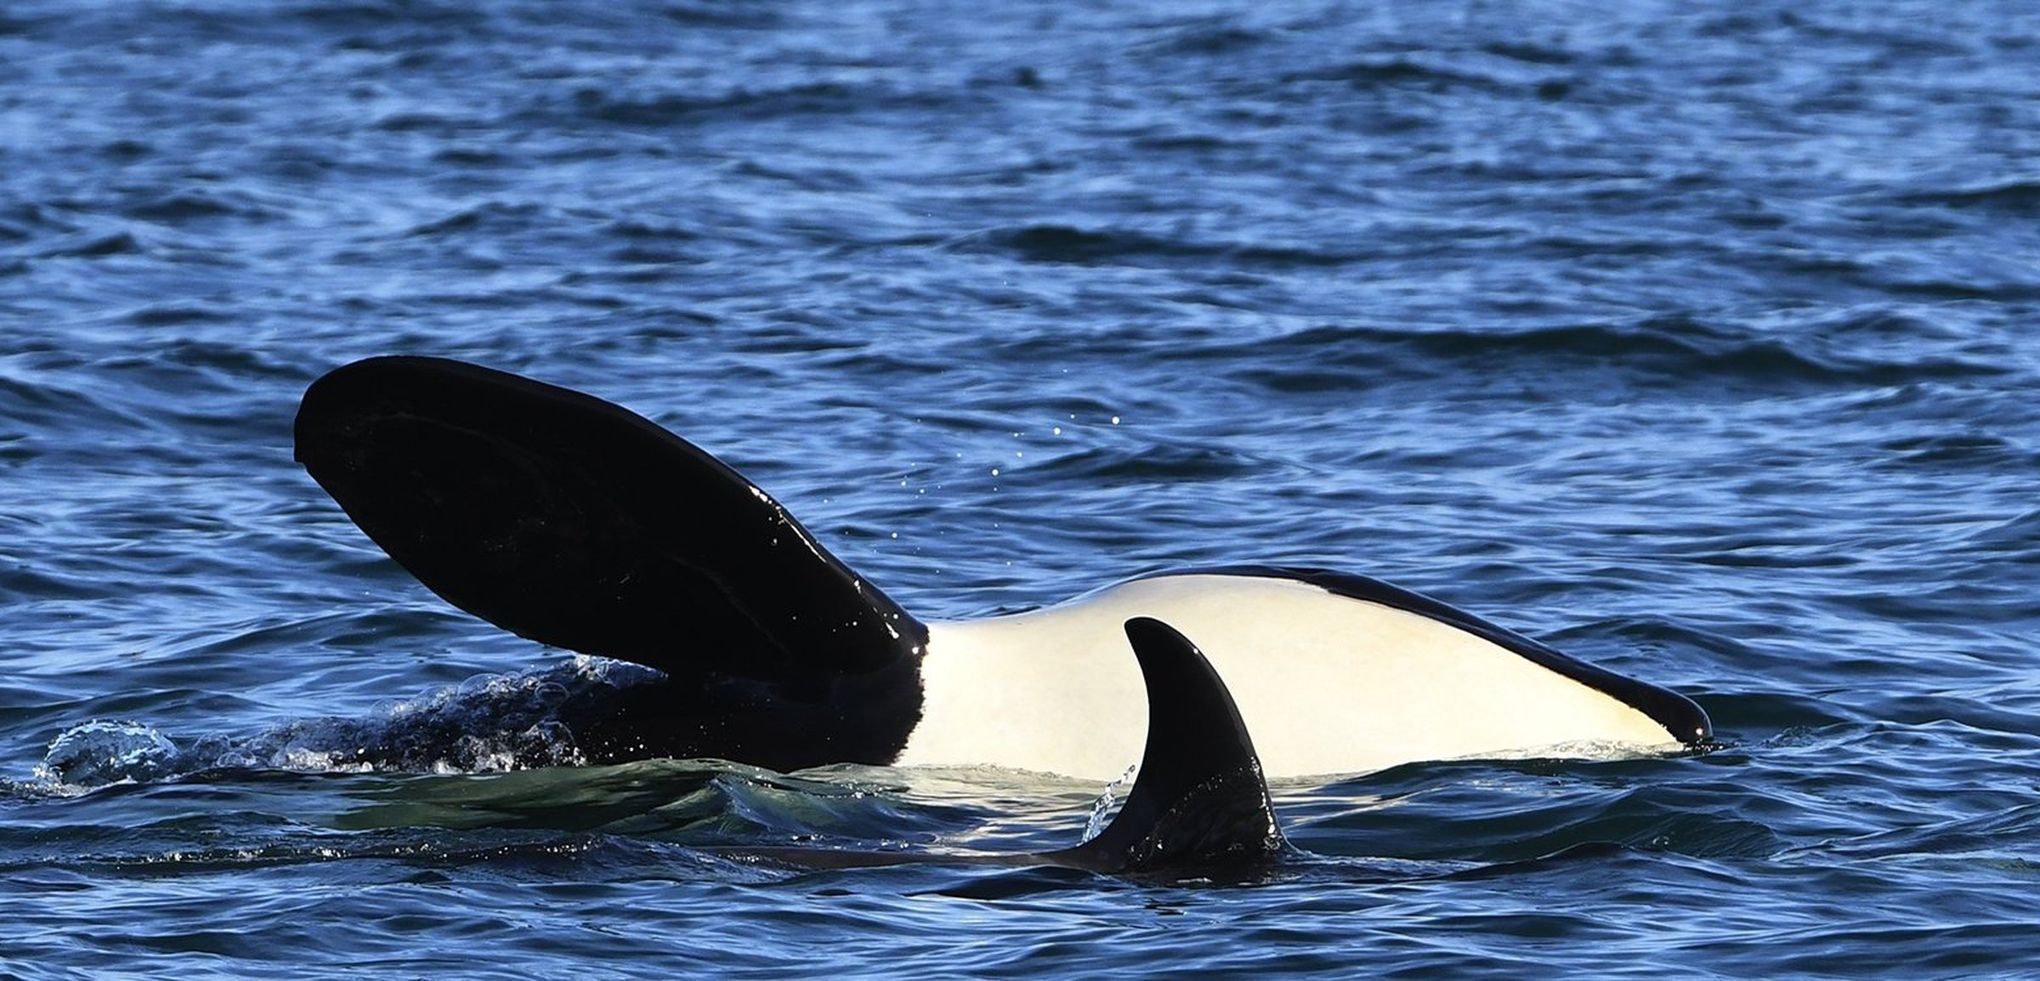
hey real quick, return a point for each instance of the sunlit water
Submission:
(1698, 343)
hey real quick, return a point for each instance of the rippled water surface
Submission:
(1697, 342)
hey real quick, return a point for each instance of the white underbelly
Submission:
(1327, 684)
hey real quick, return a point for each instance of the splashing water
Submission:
(488, 724)
(102, 752)
(1102, 807)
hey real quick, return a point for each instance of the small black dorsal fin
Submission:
(1200, 799)
(578, 523)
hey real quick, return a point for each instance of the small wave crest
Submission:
(1658, 347)
(1064, 244)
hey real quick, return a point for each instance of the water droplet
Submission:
(1103, 804)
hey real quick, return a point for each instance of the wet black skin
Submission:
(577, 523)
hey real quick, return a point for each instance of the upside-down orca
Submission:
(577, 523)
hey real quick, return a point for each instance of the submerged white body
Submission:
(1327, 684)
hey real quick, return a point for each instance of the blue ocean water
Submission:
(1696, 341)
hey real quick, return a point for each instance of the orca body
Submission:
(1200, 803)
(577, 523)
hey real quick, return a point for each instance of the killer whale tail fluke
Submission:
(1200, 799)
(577, 523)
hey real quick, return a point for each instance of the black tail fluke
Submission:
(1200, 799)
(577, 523)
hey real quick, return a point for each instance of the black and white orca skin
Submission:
(577, 523)
(1200, 803)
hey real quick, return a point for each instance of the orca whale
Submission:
(1200, 802)
(577, 523)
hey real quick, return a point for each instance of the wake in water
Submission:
(489, 724)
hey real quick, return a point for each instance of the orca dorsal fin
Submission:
(1200, 799)
(577, 523)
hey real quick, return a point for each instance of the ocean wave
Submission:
(658, 110)
(494, 217)
(1067, 244)
(194, 204)
(2012, 198)
(1216, 38)
(97, 246)
(1149, 462)
(1662, 347)
(1398, 71)
(1502, 812)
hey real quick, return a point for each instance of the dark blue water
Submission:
(1699, 343)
